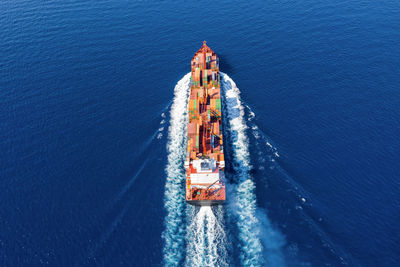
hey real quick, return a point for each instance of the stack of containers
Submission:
(212, 104)
(197, 135)
(205, 78)
(216, 128)
(218, 105)
(196, 81)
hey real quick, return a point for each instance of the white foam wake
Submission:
(206, 238)
(174, 199)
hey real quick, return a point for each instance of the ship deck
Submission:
(205, 163)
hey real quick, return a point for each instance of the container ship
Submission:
(204, 164)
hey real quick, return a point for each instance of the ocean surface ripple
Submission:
(88, 108)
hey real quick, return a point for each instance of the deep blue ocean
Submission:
(86, 128)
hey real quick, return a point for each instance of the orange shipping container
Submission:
(212, 103)
(192, 128)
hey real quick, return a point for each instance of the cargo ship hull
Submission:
(205, 165)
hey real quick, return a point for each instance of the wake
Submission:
(204, 236)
